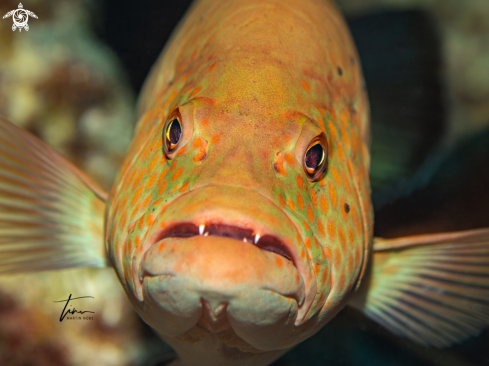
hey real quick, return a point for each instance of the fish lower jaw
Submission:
(221, 285)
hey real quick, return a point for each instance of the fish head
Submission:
(238, 223)
(243, 209)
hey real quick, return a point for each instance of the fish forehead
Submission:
(333, 215)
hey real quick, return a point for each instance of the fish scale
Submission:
(224, 241)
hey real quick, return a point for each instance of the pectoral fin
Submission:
(432, 289)
(51, 214)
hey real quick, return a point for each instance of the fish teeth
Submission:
(244, 239)
(206, 234)
(201, 229)
(257, 237)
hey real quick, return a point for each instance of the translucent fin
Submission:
(51, 214)
(432, 289)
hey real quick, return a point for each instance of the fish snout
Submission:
(225, 259)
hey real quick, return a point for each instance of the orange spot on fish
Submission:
(300, 182)
(153, 163)
(162, 189)
(341, 281)
(279, 262)
(162, 176)
(184, 187)
(342, 239)
(332, 194)
(346, 183)
(149, 220)
(323, 203)
(331, 229)
(141, 223)
(300, 202)
(324, 278)
(182, 150)
(308, 243)
(336, 176)
(281, 200)
(328, 252)
(316, 268)
(136, 196)
(289, 158)
(161, 247)
(310, 213)
(332, 130)
(124, 202)
(123, 221)
(213, 66)
(291, 205)
(197, 142)
(215, 139)
(204, 122)
(338, 258)
(306, 226)
(351, 236)
(322, 126)
(320, 227)
(305, 85)
(177, 174)
(132, 177)
(146, 201)
(151, 181)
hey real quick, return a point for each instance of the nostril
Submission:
(202, 154)
(278, 165)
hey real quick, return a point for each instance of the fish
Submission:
(240, 222)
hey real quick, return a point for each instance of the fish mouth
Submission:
(267, 242)
(229, 247)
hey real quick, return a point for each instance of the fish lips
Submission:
(263, 290)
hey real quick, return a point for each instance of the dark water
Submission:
(400, 53)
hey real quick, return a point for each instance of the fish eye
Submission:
(316, 157)
(172, 133)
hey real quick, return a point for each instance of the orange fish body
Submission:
(241, 222)
(254, 83)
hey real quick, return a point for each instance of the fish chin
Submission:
(198, 286)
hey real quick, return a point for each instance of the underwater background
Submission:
(73, 80)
